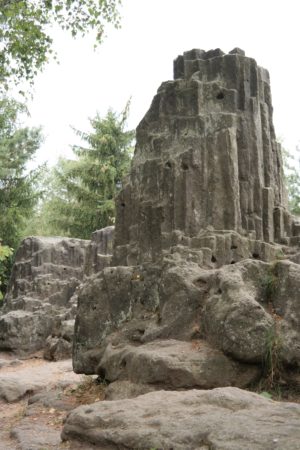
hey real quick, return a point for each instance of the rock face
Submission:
(41, 295)
(40, 305)
(220, 419)
(206, 155)
(205, 250)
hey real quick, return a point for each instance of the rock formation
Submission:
(202, 290)
(40, 305)
(206, 156)
(203, 241)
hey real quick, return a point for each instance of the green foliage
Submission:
(5, 258)
(266, 395)
(292, 178)
(269, 282)
(18, 186)
(81, 192)
(272, 364)
(25, 27)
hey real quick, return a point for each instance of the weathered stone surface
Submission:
(253, 304)
(57, 348)
(12, 390)
(45, 276)
(31, 436)
(219, 419)
(34, 376)
(230, 307)
(40, 305)
(202, 234)
(174, 365)
(99, 251)
(206, 155)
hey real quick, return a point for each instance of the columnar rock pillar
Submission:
(206, 155)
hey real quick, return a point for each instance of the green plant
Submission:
(26, 31)
(266, 394)
(5, 259)
(272, 363)
(269, 283)
(279, 254)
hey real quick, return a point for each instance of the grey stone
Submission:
(57, 348)
(98, 254)
(13, 389)
(202, 224)
(206, 156)
(174, 365)
(31, 436)
(44, 278)
(222, 419)
(41, 302)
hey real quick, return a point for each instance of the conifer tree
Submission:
(82, 191)
(18, 194)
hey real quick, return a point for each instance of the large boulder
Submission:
(219, 419)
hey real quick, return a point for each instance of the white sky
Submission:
(136, 59)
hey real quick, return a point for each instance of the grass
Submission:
(272, 364)
(269, 284)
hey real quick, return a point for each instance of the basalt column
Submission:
(206, 155)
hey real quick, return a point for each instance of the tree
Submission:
(81, 196)
(18, 194)
(5, 255)
(292, 177)
(25, 30)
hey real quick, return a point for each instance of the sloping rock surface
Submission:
(219, 419)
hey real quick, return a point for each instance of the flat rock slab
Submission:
(219, 419)
(36, 437)
(32, 376)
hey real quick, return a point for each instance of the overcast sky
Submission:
(136, 59)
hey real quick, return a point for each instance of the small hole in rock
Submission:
(123, 205)
(220, 96)
(233, 247)
(101, 373)
(213, 259)
(219, 291)
(255, 255)
(184, 166)
(168, 165)
(232, 262)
